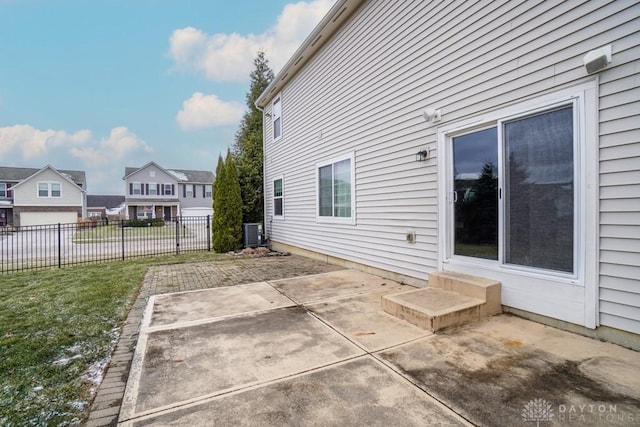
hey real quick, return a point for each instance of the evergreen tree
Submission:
(247, 148)
(227, 207)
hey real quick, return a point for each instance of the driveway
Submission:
(317, 350)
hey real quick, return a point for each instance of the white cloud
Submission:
(229, 57)
(35, 142)
(203, 111)
(120, 143)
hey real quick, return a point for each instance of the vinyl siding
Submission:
(27, 193)
(619, 148)
(365, 90)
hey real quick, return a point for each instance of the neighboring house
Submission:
(152, 191)
(41, 196)
(469, 137)
(102, 206)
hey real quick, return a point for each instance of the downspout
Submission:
(264, 174)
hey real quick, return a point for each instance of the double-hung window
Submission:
(276, 117)
(278, 198)
(168, 190)
(137, 189)
(3, 190)
(49, 189)
(153, 189)
(208, 191)
(188, 191)
(336, 190)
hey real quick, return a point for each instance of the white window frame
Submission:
(278, 178)
(3, 189)
(276, 114)
(153, 189)
(49, 185)
(189, 191)
(579, 288)
(167, 190)
(333, 219)
(140, 209)
(139, 186)
(152, 174)
(208, 190)
(92, 214)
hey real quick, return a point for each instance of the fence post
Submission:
(208, 233)
(59, 245)
(122, 234)
(178, 235)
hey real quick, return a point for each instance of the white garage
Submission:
(196, 211)
(46, 218)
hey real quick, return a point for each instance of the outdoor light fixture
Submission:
(423, 155)
(432, 115)
(597, 59)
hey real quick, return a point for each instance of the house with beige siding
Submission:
(495, 139)
(44, 196)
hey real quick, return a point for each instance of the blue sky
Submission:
(99, 85)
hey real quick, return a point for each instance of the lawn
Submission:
(108, 233)
(57, 329)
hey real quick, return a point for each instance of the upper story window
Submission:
(152, 174)
(188, 191)
(208, 191)
(276, 117)
(4, 190)
(167, 189)
(153, 189)
(49, 189)
(278, 198)
(136, 189)
(336, 190)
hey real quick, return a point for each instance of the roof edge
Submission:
(321, 34)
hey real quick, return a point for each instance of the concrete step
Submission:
(432, 309)
(451, 299)
(478, 287)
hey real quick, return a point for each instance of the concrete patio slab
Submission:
(368, 393)
(362, 320)
(489, 371)
(336, 284)
(221, 302)
(336, 359)
(209, 359)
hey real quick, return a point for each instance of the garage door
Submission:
(44, 218)
(197, 211)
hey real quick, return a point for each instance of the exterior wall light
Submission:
(432, 115)
(597, 59)
(423, 155)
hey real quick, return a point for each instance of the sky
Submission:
(98, 85)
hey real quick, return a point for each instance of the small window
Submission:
(208, 191)
(336, 190)
(55, 189)
(152, 174)
(94, 214)
(188, 191)
(137, 189)
(3, 190)
(43, 189)
(278, 197)
(276, 117)
(153, 189)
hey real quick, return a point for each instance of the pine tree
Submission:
(247, 149)
(227, 207)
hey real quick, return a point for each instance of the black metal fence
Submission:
(90, 241)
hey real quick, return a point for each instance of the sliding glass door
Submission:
(513, 195)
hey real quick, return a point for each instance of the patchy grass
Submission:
(57, 329)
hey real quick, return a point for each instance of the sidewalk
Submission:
(317, 350)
